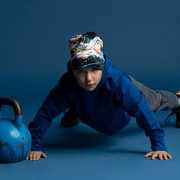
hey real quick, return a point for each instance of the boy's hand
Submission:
(35, 155)
(158, 154)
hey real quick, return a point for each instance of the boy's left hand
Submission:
(158, 154)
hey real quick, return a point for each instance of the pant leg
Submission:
(157, 99)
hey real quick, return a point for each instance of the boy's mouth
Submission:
(90, 84)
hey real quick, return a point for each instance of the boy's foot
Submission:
(69, 119)
(175, 111)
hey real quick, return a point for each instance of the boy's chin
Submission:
(89, 88)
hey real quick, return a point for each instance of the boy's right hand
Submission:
(35, 155)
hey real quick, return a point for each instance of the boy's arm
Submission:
(131, 100)
(55, 103)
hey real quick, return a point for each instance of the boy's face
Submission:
(88, 78)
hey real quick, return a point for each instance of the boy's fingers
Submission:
(44, 155)
(166, 157)
(36, 158)
(147, 155)
(169, 156)
(33, 158)
(154, 156)
(160, 157)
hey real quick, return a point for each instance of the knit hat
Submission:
(86, 51)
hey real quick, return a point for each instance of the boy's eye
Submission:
(80, 71)
(94, 70)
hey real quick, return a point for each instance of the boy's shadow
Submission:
(83, 138)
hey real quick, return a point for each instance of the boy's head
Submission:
(86, 50)
(87, 59)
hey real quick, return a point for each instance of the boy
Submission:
(103, 97)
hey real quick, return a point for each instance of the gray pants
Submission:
(157, 99)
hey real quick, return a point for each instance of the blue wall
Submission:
(141, 37)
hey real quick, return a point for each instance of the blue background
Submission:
(141, 37)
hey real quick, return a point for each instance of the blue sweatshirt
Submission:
(107, 108)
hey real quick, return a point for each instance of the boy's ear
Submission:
(74, 72)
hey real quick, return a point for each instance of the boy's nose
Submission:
(88, 76)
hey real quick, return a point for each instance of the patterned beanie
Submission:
(86, 51)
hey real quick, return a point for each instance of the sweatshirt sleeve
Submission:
(55, 103)
(131, 100)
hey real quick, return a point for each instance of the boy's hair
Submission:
(86, 50)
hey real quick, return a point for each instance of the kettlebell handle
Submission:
(13, 103)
